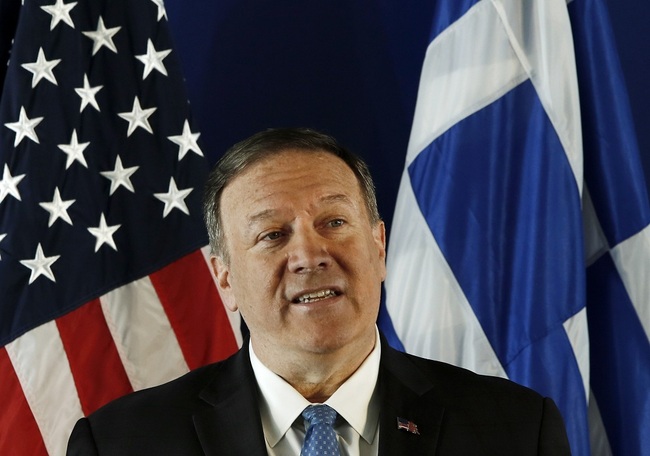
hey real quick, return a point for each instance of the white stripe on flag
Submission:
(484, 54)
(434, 318)
(44, 373)
(144, 338)
(467, 67)
(544, 45)
(631, 259)
(578, 332)
(233, 317)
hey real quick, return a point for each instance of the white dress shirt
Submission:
(357, 426)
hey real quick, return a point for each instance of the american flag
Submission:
(521, 237)
(407, 425)
(104, 282)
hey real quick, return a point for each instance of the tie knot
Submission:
(319, 414)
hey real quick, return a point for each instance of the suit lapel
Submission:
(404, 393)
(232, 425)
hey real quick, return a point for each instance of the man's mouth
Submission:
(315, 296)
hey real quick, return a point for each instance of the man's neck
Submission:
(316, 376)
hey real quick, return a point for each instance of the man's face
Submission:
(306, 264)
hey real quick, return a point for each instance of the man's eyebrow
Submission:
(337, 198)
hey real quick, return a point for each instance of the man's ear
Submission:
(379, 235)
(222, 273)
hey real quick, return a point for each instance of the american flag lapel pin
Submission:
(407, 425)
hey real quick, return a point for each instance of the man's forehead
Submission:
(323, 201)
(296, 155)
(262, 188)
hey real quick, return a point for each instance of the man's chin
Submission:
(324, 342)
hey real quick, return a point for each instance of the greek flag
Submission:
(520, 244)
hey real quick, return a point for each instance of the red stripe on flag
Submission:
(190, 298)
(19, 433)
(96, 366)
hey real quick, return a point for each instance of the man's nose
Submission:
(308, 251)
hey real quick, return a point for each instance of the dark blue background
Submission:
(350, 68)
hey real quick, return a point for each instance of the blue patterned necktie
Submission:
(320, 439)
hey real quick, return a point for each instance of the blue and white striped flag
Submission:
(520, 244)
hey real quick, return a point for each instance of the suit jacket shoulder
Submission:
(457, 411)
(211, 410)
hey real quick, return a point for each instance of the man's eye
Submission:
(273, 236)
(336, 223)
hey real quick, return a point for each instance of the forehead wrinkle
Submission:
(267, 214)
(337, 198)
(261, 216)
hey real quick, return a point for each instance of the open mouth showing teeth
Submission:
(316, 296)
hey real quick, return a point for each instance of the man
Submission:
(299, 249)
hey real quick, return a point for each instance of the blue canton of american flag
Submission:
(104, 285)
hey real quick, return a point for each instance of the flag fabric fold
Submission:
(617, 239)
(104, 279)
(519, 240)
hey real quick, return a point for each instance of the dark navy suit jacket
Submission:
(214, 411)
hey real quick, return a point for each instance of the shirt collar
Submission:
(355, 400)
(281, 404)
